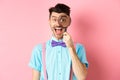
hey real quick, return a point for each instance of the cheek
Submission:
(52, 24)
(52, 28)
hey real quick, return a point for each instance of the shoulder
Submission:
(80, 48)
(79, 45)
(37, 50)
(40, 45)
(37, 47)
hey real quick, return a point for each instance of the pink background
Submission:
(95, 23)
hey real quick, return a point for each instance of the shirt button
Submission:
(59, 73)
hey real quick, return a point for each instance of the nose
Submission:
(57, 23)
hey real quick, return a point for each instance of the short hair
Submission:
(60, 8)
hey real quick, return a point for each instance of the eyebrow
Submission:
(64, 16)
(61, 16)
(54, 16)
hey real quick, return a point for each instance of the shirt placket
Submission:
(59, 64)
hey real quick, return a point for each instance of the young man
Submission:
(61, 56)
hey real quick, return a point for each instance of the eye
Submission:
(63, 20)
(54, 20)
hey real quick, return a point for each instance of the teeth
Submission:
(58, 28)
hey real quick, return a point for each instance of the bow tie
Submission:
(54, 43)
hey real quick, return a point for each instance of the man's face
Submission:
(56, 27)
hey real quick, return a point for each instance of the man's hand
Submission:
(68, 40)
(79, 68)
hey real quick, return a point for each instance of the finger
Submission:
(64, 34)
(66, 38)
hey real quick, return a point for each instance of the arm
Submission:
(35, 75)
(35, 62)
(79, 68)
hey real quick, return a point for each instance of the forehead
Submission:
(55, 14)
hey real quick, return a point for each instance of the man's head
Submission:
(58, 17)
(60, 8)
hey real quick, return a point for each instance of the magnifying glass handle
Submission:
(65, 29)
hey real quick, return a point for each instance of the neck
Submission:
(58, 39)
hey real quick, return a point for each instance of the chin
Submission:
(59, 37)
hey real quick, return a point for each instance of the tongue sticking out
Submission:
(58, 31)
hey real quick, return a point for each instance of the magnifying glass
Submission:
(64, 21)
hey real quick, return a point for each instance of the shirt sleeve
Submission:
(35, 61)
(82, 54)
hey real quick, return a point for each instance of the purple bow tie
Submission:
(54, 43)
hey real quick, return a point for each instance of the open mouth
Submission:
(58, 30)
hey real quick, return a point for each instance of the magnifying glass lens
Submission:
(64, 21)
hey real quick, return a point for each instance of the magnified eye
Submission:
(63, 20)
